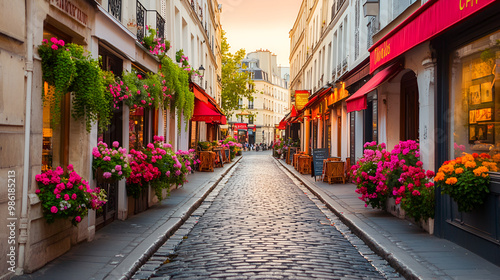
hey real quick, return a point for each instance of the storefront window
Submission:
(55, 145)
(475, 109)
(55, 133)
(136, 128)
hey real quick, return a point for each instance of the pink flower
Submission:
(53, 209)
(78, 219)
(54, 40)
(106, 158)
(116, 144)
(106, 175)
(54, 47)
(58, 196)
(139, 76)
(118, 167)
(73, 196)
(61, 42)
(66, 197)
(70, 167)
(37, 191)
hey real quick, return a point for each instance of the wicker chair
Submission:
(207, 161)
(336, 172)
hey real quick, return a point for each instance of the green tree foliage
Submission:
(236, 84)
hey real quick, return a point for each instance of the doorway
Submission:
(410, 107)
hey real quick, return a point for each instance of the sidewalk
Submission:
(410, 250)
(120, 247)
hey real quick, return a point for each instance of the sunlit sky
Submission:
(260, 24)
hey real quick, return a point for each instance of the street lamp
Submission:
(201, 70)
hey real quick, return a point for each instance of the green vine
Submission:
(67, 69)
(177, 81)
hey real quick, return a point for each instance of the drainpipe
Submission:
(23, 236)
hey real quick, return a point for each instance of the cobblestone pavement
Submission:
(260, 224)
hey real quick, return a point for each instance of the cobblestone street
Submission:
(261, 225)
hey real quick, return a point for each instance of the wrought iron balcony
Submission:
(151, 19)
(141, 21)
(115, 8)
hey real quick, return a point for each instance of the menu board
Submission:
(318, 156)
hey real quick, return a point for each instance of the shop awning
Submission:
(207, 113)
(282, 125)
(205, 107)
(199, 94)
(431, 19)
(357, 101)
(294, 112)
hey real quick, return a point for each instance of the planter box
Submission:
(397, 211)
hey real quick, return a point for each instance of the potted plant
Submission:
(110, 164)
(67, 195)
(466, 179)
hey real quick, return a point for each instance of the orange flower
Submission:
(496, 158)
(458, 160)
(451, 181)
(470, 164)
(459, 170)
(447, 168)
(480, 170)
(439, 176)
(467, 157)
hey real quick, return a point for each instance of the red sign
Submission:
(301, 98)
(431, 19)
(238, 126)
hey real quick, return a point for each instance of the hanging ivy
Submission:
(177, 81)
(68, 69)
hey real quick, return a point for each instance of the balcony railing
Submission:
(115, 8)
(140, 16)
(156, 21)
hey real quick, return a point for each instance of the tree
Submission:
(236, 84)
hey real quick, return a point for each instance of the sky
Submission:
(260, 24)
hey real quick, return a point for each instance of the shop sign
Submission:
(238, 126)
(301, 98)
(431, 19)
(69, 8)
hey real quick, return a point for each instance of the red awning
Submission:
(206, 108)
(207, 113)
(431, 19)
(294, 112)
(357, 101)
(282, 125)
(199, 94)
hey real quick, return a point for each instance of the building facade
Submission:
(270, 101)
(404, 81)
(31, 143)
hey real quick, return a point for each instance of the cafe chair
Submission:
(336, 172)
(207, 161)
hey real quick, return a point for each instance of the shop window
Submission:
(55, 143)
(55, 148)
(137, 128)
(475, 108)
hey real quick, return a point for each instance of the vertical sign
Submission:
(301, 98)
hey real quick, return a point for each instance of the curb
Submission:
(172, 228)
(399, 266)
